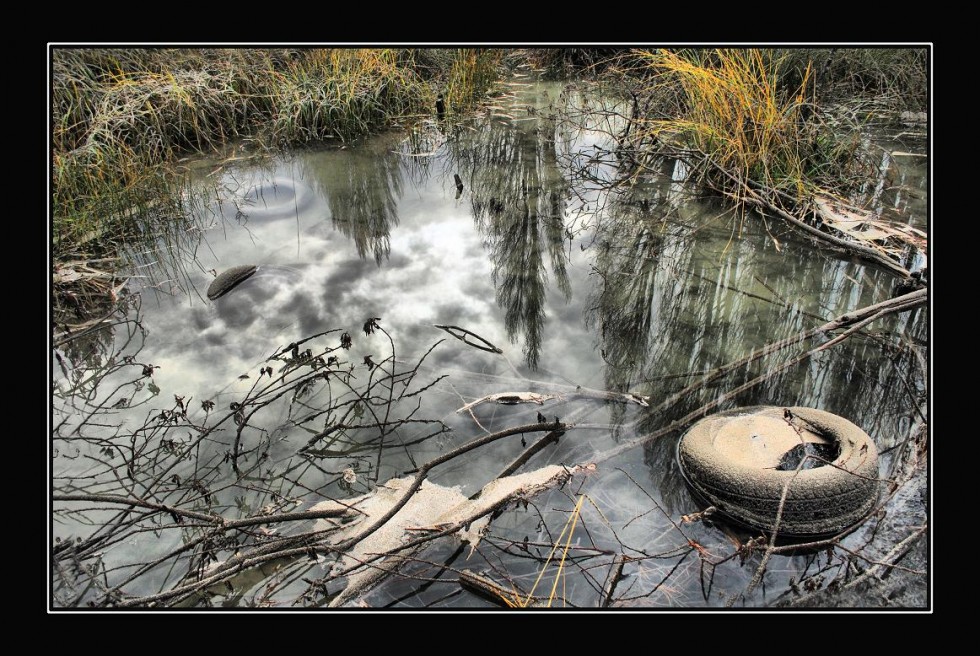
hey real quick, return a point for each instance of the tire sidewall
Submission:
(820, 500)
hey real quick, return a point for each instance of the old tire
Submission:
(732, 461)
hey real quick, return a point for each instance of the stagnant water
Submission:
(583, 283)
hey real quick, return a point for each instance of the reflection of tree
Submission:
(518, 202)
(622, 305)
(676, 300)
(421, 142)
(362, 189)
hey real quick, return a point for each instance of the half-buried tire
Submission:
(229, 279)
(741, 461)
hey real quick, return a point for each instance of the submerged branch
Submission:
(514, 398)
(853, 321)
(868, 254)
(423, 472)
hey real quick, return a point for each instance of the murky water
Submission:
(582, 283)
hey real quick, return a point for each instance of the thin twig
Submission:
(617, 574)
(462, 334)
(540, 444)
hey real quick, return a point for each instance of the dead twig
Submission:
(463, 335)
(615, 577)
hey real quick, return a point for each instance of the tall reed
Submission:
(473, 72)
(751, 115)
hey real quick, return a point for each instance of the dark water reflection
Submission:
(633, 288)
(363, 196)
(518, 201)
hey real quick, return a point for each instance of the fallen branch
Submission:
(442, 510)
(514, 398)
(869, 254)
(427, 467)
(510, 398)
(892, 557)
(752, 197)
(550, 438)
(462, 335)
(274, 518)
(491, 591)
(616, 576)
(862, 225)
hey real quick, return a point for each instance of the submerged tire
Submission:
(229, 279)
(739, 461)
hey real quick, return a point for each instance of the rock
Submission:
(229, 280)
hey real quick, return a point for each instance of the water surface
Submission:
(584, 283)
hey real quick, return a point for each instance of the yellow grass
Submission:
(734, 112)
(515, 600)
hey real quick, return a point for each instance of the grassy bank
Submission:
(748, 119)
(729, 108)
(768, 118)
(120, 118)
(891, 78)
(770, 126)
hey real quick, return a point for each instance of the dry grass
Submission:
(344, 94)
(514, 599)
(893, 78)
(734, 112)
